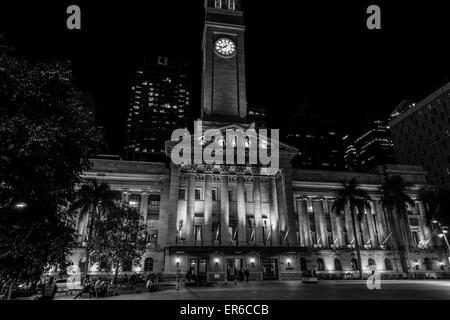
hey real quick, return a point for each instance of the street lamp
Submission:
(20, 205)
(443, 231)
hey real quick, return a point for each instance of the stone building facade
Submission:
(277, 222)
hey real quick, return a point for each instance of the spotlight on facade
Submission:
(216, 260)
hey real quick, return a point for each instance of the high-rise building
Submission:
(350, 154)
(371, 148)
(318, 140)
(421, 134)
(159, 103)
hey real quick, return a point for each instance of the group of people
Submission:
(241, 274)
(42, 290)
(95, 289)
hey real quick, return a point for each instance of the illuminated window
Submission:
(218, 4)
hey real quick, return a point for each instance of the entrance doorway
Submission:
(199, 268)
(270, 268)
(231, 264)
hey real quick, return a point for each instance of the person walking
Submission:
(236, 272)
(178, 279)
(246, 274)
(97, 287)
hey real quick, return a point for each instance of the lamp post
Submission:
(443, 234)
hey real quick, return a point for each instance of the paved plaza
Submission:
(295, 290)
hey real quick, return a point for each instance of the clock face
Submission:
(225, 47)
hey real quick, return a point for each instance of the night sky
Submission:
(294, 49)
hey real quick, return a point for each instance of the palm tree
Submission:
(394, 200)
(93, 200)
(437, 203)
(357, 200)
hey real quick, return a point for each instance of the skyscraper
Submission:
(421, 134)
(159, 103)
(318, 140)
(371, 148)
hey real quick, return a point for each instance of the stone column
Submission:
(423, 223)
(383, 228)
(257, 210)
(349, 226)
(282, 209)
(168, 210)
(275, 237)
(225, 237)
(167, 229)
(190, 216)
(323, 224)
(207, 231)
(335, 227)
(301, 222)
(144, 205)
(317, 212)
(365, 229)
(370, 222)
(242, 231)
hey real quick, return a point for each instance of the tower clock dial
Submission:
(225, 47)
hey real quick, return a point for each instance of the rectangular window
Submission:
(182, 194)
(230, 195)
(154, 200)
(135, 201)
(214, 194)
(198, 194)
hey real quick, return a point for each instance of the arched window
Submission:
(387, 264)
(337, 264)
(427, 263)
(148, 265)
(320, 264)
(355, 264)
(371, 262)
(303, 264)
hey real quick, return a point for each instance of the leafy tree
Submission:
(394, 199)
(357, 200)
(120, 239)
(46, 136)
(93, 201)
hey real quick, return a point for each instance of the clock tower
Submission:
(223, 85)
